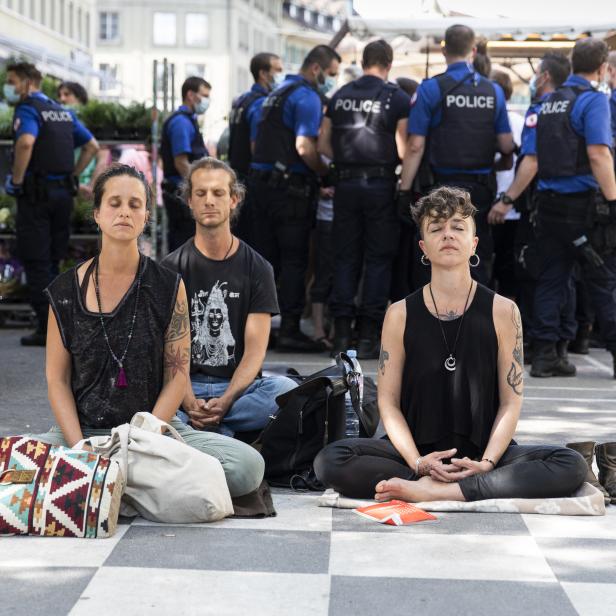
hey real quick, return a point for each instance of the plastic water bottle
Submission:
(352, 420)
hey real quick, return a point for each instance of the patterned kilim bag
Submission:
(57, 492)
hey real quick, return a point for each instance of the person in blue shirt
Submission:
(464, 117)
(286, 167)
(611, 70)
(181, 144)
(43, 179)
(364, 134)
(266, 69)
(576, 203)
(551, 73)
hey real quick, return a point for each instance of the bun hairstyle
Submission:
(482, 63)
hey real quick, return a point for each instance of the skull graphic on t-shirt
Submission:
(213, 343)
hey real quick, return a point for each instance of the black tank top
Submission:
(99, 403)
(450, 409)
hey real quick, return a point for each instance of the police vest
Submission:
(561, 152)
(197, 146)
(362, 133)
(240, 153)
(53, 151)
(275, 141)
(465, 137)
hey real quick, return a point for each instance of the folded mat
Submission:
(587, 500)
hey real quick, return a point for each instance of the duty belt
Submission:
(363, 173)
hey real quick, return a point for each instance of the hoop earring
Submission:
(476, 263)
(424, 260)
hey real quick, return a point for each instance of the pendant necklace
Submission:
(121, 380)
(450, 362)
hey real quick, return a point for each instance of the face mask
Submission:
(604, 87)
(10, 94)
(532, 86)
(328, 85)
(278, 79)
(202, 106)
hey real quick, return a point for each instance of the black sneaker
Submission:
(297, 342)
(37, 338)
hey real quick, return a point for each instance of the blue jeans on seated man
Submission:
(251, 411)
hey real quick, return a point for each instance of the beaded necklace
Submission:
(121, 380)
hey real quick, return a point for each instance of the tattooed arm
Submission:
(176, 359)
(510, 376)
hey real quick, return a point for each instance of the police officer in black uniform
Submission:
(576, 203)
(266, 69)
(460, 118)
(364, 133)
(44, 181)
(181, 144)
(286, 167)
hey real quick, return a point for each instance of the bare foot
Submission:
(422, 490)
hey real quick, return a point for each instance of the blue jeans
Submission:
(252, 410)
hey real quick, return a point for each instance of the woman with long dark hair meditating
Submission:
(450, 383)
(118, 340)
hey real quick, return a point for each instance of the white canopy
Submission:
(422, 25)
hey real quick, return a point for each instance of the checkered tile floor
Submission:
(318, 561)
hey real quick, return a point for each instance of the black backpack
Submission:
(311, 416)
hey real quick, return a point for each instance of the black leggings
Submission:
(353, 467)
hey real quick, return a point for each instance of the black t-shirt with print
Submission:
(221, 295)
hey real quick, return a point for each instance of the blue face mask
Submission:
(532, 86)
(10, 94)
(328, 85)
(202, 106)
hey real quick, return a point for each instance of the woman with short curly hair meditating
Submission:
(450, 383)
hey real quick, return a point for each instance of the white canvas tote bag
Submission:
(166, 479)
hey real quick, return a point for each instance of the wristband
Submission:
(490, 461)
(417, 465)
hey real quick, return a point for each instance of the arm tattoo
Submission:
(383, 357)
(179, 325)
(177, 359)
(515, 376)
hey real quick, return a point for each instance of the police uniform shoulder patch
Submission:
(414, 98)
(16, 124)
(531, 120)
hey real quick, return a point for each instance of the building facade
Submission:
(57, 35)
(213, 39)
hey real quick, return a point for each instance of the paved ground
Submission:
(312, 560)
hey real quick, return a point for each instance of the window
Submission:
(108, 79)
(243, 79)
(259, 44)
(195, 70)
(164, 29)
(52, 14)
(292, 11)
(79, 25)
(321, 20)
(196, 29)
(62, 16)
(32, 9)
(243, 35)
(42, 12)
(87, 28)
(71, 24)
(108, 26)
(307, 16)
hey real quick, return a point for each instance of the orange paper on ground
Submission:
(394, 513)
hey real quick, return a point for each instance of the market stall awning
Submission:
(494, 28)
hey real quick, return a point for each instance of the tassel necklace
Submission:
(121, 380)
(450, 362)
